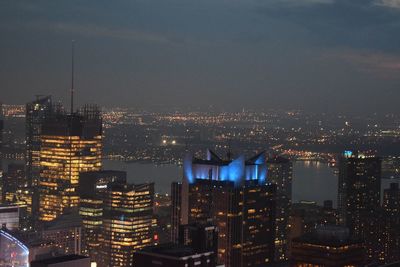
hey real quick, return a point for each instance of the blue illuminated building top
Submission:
(214, 168)
(348, 153)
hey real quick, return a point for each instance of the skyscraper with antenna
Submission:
(71, 143)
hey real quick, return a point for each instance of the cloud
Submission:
(298, 3)
(307, 2)
(388, 3)
(129, 34)
(382, 65)
(89, 30)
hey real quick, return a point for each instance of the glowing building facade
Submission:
(128, 223)
(70, 144)
(92, 186)
(234, 196)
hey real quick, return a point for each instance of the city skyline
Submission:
(213, 133)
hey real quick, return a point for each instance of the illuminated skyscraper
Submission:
(234, 196)
(128, 222)
(359, 199)
(92, 186)
(280, 172)
(70, 144)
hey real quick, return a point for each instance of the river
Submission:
(312, 181)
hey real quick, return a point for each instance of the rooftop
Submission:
(328, 236)
(172, 250)
(60, 259)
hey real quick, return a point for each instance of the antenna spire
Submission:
(72, 75)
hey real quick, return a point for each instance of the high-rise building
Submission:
(234, 196)
(70, 144)
(280, 172)
(37, 112)
(391, 232)
(176, 197)
(328, 246)
(128, 223)
(92, 186)
(359, 199)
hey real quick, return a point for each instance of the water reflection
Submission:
(314, 181)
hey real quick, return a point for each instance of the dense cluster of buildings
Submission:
(62, 207)
(62, 202)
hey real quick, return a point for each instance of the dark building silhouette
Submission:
(64, 232)
(234, 196)
(391, 232)
(63, 261)
(16, 191)
(15, 184)
(328, 246)
(169, 255)
(306, 215)
(202, 238)
(92, 187)
(359, 199)
(37, 112)
(280, 172)
(176, 197)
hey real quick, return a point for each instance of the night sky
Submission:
(317, 55)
